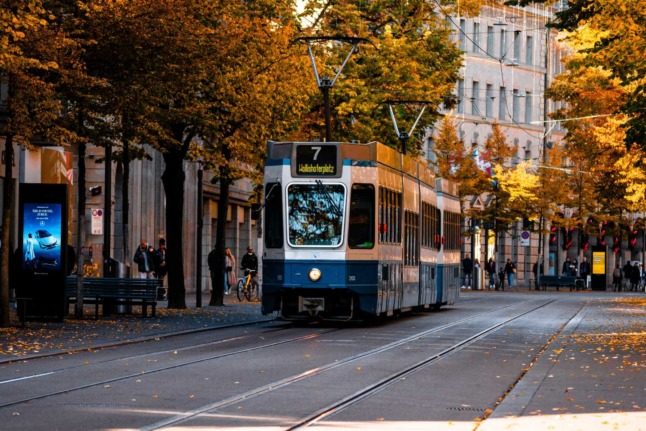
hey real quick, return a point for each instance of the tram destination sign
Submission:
(317, 160)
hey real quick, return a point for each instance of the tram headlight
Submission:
(315, 274)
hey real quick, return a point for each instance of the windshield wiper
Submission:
(335, 207)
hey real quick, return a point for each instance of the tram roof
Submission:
(374, 152)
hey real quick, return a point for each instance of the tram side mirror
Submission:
(256, 209)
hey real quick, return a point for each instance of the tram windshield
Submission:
(315, 214)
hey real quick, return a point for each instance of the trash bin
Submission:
(579, 284)
(110, 267)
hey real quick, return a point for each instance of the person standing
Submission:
(467, 268)
(491, 270)
(635, 276)
(616, 278)
(144, 258)
(229, 270)
(161, 269)
(212, 259)
(584, 271)
(510, 270)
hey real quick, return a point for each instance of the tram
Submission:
(353, 231)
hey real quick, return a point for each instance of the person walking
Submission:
(467, 269)
(491, 271)
(145, 259)
(229, 270)
(161, 269)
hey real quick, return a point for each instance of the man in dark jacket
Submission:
(145, 259)
(218, 294)
(250, 260)
(467, 268)
(161, 269)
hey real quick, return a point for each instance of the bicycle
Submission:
(247, 286)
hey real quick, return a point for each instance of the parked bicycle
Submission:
(248, 285)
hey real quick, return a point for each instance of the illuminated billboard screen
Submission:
(42, 237)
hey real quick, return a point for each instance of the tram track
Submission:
(270, 387)
(382, 384)
(155, 370)
(140, 340)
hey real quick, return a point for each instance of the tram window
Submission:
(390, 203)
(452, 230)
(411, 234)
(315, 214)
(273, 216)
(361, 233)
(430, 225)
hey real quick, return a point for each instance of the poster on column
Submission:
(42, 249)
(41, 237)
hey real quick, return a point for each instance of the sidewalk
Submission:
(45, 338)
(592, 377)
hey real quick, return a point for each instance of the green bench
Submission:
(115, 291)
(558, 281)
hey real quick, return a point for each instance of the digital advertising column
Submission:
(42, 247)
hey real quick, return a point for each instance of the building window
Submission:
(4, 90)
(529, 50)
(517, 46)
(502, 104)
(460, 96)
(503, 44)
(515, 109)
(528, 107)
(462, 36)
(489, 101)
(475, 98)
(476, 37)
(490, 47)
(361, 231)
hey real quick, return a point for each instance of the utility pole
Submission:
(325, 83)
(541, 223)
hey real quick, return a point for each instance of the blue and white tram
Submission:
(356, 230)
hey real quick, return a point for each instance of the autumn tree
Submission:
(27, 62)
(407, 56)
(260, 91)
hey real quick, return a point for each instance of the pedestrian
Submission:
(635, 276)
(491, 271)
(535, 271)
(217, 294)
(628, 269)
(510, 270)
(467, 269)
(229, 270)
(616, 278)
(145, 260)
(584, 271)
(566, 266)
(161, 268)
(71, 260)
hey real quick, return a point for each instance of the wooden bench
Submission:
(558, 281)
(117, 291)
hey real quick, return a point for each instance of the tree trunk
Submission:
(173, 181)
(80, 230)
(5, 250)
(125, 190)
(223, 205)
